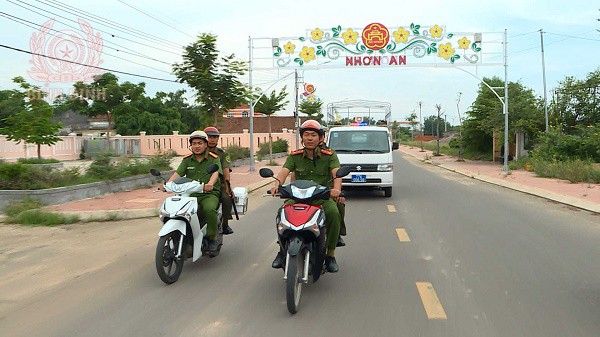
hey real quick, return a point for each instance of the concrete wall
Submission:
(59, 195)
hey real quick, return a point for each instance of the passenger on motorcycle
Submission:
(194, 167)
(226, 194)
(320, 166)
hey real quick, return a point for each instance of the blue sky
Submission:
(572, 42)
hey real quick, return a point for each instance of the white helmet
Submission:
(198, 134)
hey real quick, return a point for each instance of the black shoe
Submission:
(278, 262)
(213, 245)
(340, 242)
(331, 264)
(227, 230)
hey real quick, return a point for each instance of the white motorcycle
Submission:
(184, 227)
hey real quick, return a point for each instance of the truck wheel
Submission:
(387, 191)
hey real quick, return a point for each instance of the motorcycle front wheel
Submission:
(168, 266)
(294, 282)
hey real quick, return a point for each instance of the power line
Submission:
(110, 23)
(111, 34)
(24, 22)
(157, 19)
(573, 37)
(89, 66)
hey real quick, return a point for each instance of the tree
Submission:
(577, 103)
(217, 86)
(312, 109)
(30, 119)
(486, 116)
(412, 119)
(152, 115)
(105, 96)
(270, 105)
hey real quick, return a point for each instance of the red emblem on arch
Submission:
(375, 36)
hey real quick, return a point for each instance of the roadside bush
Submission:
(14, 209)
(575, 171)
(280, 145)
(38, 161)
(37, 217)
(237, 152)
(557, 146)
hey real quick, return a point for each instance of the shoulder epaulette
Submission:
(214, 155)
(189, 155)
(297, 152)
(327, 152)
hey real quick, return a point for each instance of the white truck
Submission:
(368, 152)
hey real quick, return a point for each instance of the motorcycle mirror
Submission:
(342, 171)
(265, 172)
(212, 168)
(155, 172)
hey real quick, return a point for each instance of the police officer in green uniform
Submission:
(318, 165)
(226, 193)
(341, 205)
(194, 167)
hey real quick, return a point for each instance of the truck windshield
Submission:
(359, 141)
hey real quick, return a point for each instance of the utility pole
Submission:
(445, 123)
(296, 109)
(506, 148)
(438, 107)
(460, 158)
(421, 124)
(544, 78)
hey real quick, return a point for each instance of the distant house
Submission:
(82, 125)
(241, 111)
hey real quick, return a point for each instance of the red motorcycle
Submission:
(302, 233)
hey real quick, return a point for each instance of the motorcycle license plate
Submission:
(359, 178)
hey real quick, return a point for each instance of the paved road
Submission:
(458, 257)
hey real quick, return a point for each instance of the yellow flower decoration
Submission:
(464, 43)
(289, 48)
(401, 35)
(350, 36)
(446, 51)
(436, 31)
(307, 54)
(317, 34)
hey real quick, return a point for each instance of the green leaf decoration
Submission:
(433, 44)
(336, 31)
(369, 51)
(428, 50)
(302, 38)
(456, 57)
(475, 48)
(412, 26)
(299, 60)
(382, 51)
(452, 59)
(417, 26)
(277, 52)
(450, 35)
(434, 49)
(415, 31)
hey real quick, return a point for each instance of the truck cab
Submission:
(367, 150)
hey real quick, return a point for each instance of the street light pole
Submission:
(460, 158)
(506, 150)
(544, 78)
(251, 105)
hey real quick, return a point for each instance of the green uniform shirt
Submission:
(223, 157)
(191, 168)
(317, 170)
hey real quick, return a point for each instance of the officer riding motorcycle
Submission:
(319, 165)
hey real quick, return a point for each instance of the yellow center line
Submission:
(431, 302)
(391, 208)
(402, 235)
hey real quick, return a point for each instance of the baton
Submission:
(237, 217)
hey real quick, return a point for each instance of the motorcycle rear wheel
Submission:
(294, 282)
(166, 257)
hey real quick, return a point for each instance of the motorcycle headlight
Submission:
(385, 167)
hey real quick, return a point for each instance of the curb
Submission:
(129, 214)
(538, 192)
